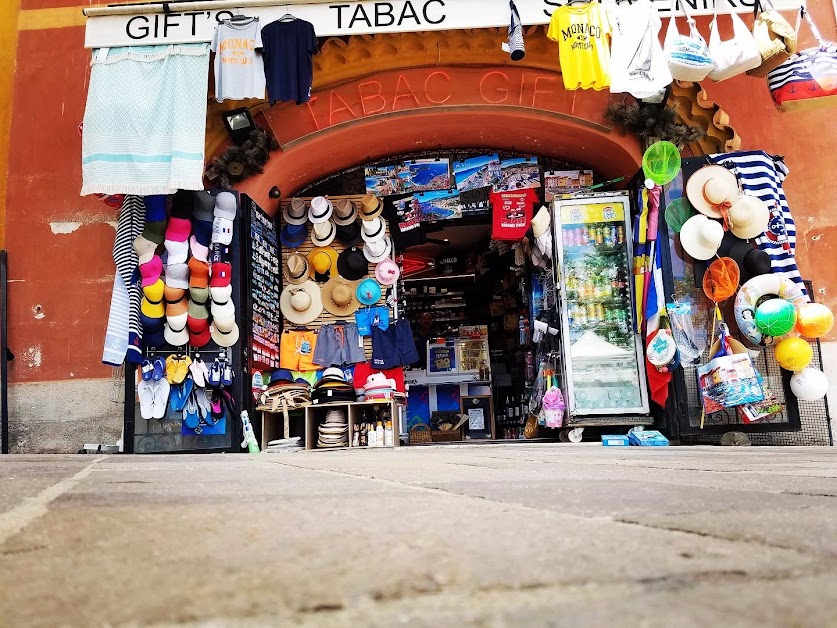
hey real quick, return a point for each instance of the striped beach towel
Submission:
(145, 120)
(761, 175)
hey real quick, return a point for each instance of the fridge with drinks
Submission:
(602, 355)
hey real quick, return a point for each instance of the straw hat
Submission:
(323, 233)
(295, 213)
(224, 338)
(711, 189)
(345, 212)
(370, 207)
(339, 297)
(701, 237)
(748, 217)
(301, 304)
(296, 269)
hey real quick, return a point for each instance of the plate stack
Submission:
(335, 431)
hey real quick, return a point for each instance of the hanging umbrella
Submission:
(640, 259)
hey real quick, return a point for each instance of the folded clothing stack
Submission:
(335, 431)
(332, 388)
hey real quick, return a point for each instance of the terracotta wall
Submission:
(59, 243)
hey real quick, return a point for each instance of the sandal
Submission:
(227, 374)
(181, 368)
(191, 417)
(161, 399)
(199, 372)
(214, 378)
(159, 368)
(145, 392)
(171, 368)
(147, 370)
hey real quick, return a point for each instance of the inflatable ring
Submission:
(749, 296)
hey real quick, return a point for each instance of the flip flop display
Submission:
(145, 391)
(159, 365)
(147, 370)
(160, 401)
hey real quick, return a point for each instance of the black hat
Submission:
(182, 204)
(756, 262)
(348, 234)
(352, 264)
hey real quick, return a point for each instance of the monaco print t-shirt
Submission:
(239, 67)
(583, 36)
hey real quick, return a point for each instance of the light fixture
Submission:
(239, 124)
(275, 192)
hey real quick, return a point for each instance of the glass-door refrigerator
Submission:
(603, 363)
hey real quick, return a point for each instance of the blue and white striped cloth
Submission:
(761, 175)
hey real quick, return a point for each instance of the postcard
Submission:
(477, 172)
(558, 182)
(519, 173)
(438, 204)
(429, 174)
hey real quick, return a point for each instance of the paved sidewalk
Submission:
(505, 535)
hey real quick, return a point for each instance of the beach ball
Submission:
(775, 317)
(793, 354)
(809, 384)
(661, 162)
(814, 320)
(678, 211)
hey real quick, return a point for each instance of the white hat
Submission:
(334, 372)
(177, 252)
(373, 230)
(701, 237)
(222, 305)
(540, 223)
(222, 230)
(712, 188)
(377, 251)
(323, 233)
(224, 324)
(301, 304)
(224, 338)
(225, 205)
(748, 217)
(320, 210)
(294, 212)
(176, 336)
(199, 251)
(177, 276)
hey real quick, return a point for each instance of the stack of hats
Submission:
(177, 272)
(379, 387)
(198, 320)
(283, 391)
(378, 245)
(295, 231)
(347, 230)
(152, 309)
(224, 329)
(332, 388)
(202, 217)
(335, 431)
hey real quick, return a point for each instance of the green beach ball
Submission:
(661, 162)
(775, 317)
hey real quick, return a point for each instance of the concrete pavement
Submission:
(490, 536)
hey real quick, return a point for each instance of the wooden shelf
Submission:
(315, 416)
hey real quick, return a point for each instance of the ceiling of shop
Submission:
(462, 238)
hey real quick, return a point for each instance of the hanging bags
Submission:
(733, 56)
(775, 38)
(808, 80)
(687, 55)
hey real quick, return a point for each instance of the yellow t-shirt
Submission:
(583, 36)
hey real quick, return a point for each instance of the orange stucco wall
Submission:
(59, 243)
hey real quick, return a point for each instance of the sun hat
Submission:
(296, 268)
(333, 373)
(177, 276)
(151, 271)
(345, 212)
(152, 302)
(204, 208)
(176, 333)
(701, 237)
(712, 190)
(339, 297)
(155, 207)
(176, 252)
(320, 209)
(199, 250)
(155, 231)
(373, 230)
(322, 261)
(176, 301)
(224, 338)
(368, 291)
(198, 311)
(178, 229)
(323, 233)
(387, 272)
(199, 295)
(221, 302)
(301, 304)
(226, 205)
(222, 230)
(678, 212)
(224, 323)
(144, 248)
(198, 273)
(748, 217)
(378, 251)
(221, 274)
(295, 213)
(291, 236)
(352, 264)
(540, 223)
(370, 207)
(348, 234)
(153, 338)
(198, 331)
(751, 261)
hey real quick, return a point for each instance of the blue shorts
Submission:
(394, 346)
(338, 344)
(369, 317)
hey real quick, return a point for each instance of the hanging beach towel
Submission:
(733, 56)
(808, 80)
(687, 55)
(775, 38)
(514, 46)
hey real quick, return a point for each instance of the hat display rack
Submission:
(293, 206)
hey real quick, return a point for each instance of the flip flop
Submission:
(147, 370)
(171, 368)
(180, 394)
(181, 368)
(214, 378)
(159, 368)
(199, 372)
(191, 417)
(161, 399)
(227, 374)
(145, 391)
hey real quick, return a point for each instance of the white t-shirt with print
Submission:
(637, 64)
(239, 66)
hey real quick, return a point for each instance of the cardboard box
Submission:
(648, 438)
(615, 440)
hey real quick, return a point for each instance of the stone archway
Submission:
(379, 95)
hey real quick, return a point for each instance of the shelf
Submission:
(438, 277)
(433, 296)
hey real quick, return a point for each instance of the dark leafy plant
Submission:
(240, 162)
(652, 121)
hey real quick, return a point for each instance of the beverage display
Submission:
(603, 354)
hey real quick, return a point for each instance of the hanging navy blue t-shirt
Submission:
(287, 48)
